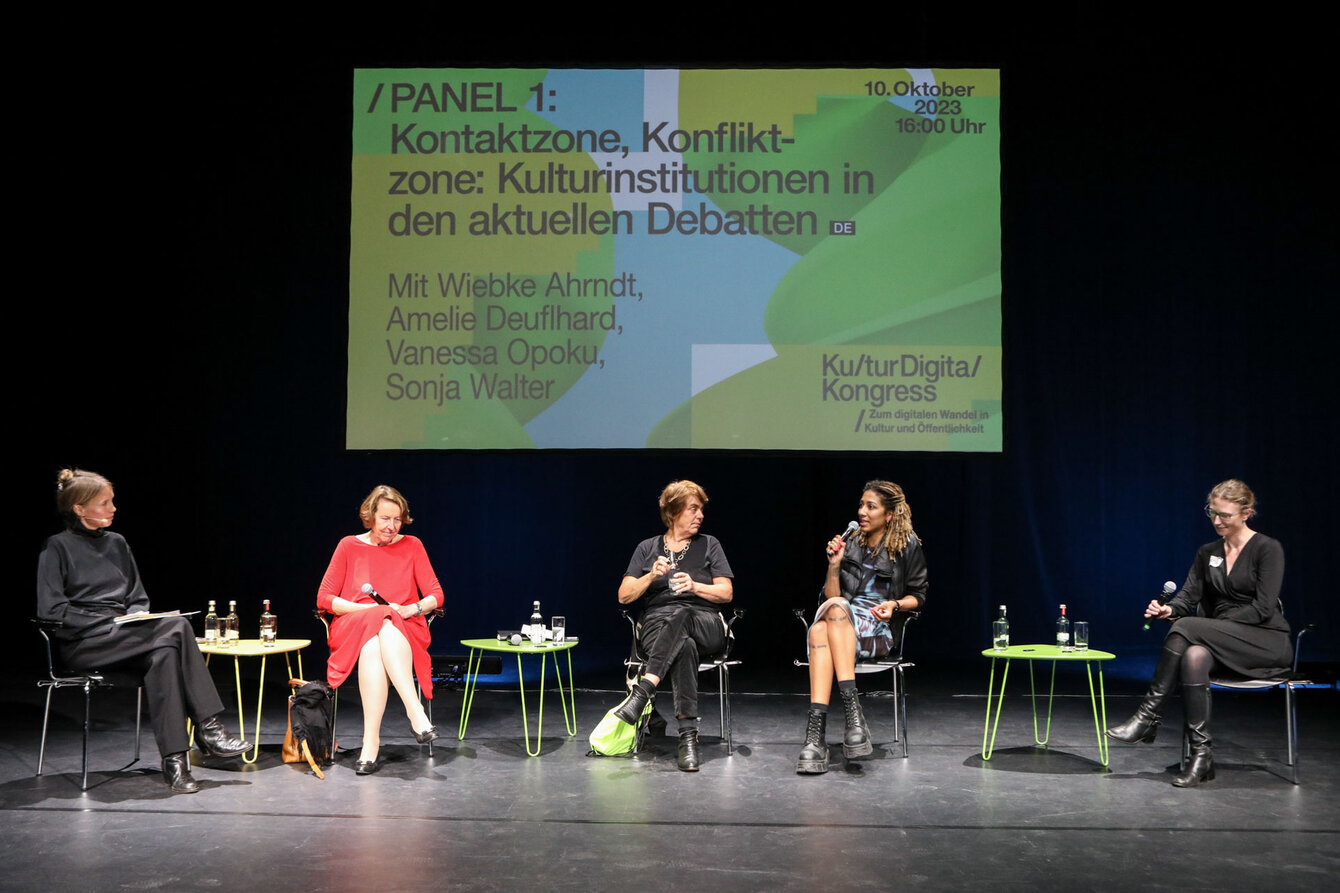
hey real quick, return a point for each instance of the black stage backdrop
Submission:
(1169, 258)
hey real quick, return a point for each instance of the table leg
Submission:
(260, 695)
(1051, 697)
(988, 749)
(525, 720)
(473, 662)
(1099, 703)
(570, 702)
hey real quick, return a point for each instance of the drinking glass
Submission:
(559, 625)
(1081, 635)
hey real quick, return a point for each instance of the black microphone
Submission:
(1168, 589)
(852, 527)
(368, 590)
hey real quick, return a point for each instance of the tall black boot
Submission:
(687, 758)
(1144, 725)
(630, 711)
(1196, 703)
(814, 755)
(856, 741)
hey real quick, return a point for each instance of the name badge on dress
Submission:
(1215, 561)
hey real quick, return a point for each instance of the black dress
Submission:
(1241, 621)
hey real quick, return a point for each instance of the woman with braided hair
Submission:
(880, 573)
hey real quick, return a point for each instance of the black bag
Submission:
(311, 722)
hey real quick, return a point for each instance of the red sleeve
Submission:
(332, 584)
(424, 577)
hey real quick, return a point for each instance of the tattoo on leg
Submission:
(813, 647)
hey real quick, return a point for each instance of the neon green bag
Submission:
(612, 736)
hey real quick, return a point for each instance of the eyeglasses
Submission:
(1222, 516)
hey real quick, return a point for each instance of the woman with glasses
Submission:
(1235, 581)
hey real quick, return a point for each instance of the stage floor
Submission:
(481, 815)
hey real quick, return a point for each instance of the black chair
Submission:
(1227, 682)
(88, 681)
(896, 663)
(721, 663)
(326, 620)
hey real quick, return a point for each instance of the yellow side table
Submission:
(253, 648)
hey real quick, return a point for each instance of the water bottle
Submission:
(211, 625)
(1063, 631)
(1000, 632)
(269, 627)
(536, 626)
(231, 629)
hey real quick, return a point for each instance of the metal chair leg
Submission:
(42, 751)
(1291, 725)
(88, 698)
(900, 707)
(139, 713)
(723, 688)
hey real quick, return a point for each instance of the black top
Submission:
(703, 561)
(1250, 594)
(85, 578)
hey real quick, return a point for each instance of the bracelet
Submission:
(418, 608)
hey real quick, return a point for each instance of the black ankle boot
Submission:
(177, 773)
(213, 739)
(1196, 703)
(630, 711)
(814, 755)
(687, 758)
(856, 741)
(1144, 725)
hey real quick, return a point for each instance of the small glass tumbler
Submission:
(1081, 635)
(560, 627)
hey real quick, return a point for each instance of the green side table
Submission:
(569, 701)
(1054, 654)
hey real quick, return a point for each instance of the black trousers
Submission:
(673, 638)
(176, 681)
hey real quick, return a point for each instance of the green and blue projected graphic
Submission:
(575, 259)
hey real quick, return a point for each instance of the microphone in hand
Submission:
(846, 535)
(1168, 589)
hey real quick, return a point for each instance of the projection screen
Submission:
(718, 259)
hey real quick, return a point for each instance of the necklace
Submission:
(670, 554)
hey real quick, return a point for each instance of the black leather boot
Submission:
(177, 773)
(1196, 703)
(1144, 725)
(630, 711)
(814, 755)
(688, 750)
(213, 739)
(856, 741)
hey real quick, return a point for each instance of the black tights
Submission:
(1195, 661)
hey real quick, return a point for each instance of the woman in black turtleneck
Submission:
(86, 577)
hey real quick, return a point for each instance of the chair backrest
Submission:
(898, 626)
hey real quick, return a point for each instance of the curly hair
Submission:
(898, 529)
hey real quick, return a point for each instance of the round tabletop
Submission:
(254, 648)
(524, 648)
(1048, 652)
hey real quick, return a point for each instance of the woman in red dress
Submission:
(379, 586)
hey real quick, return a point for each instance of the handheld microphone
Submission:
(368, 590)
(1168, 589)
(852, 527)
